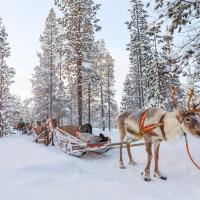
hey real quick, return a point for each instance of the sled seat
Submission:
(67, 140)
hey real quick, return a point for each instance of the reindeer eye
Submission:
(188, 119)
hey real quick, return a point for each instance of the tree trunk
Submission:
(60, 73)
(102, 103)
(158, 71)
(109, 103)
(79, 91)
(79, 68)
(60, 88)
(1, 96)
(141, 95)
(51, 94)
(89, 102)
(51, 80)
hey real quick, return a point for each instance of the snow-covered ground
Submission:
(33, 171)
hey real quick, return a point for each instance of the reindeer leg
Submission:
(122, 136)
(149, 158)
(156, 158)
(131, 161)
(121, 162)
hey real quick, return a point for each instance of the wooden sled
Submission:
(66, 140)
(42, 136)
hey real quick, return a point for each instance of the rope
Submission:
(188, 151)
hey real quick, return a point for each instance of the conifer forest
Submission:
(85, 84)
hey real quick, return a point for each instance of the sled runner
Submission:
(70, 142)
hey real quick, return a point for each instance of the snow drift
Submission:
(32, 171)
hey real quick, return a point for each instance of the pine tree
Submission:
(61, 73)
(80, 24)
(158, 82)
(110, 93)
(179, 12)
(129, 99)
(140, 55)
(45, 80)
(6, 76)
(181, 15)
(103, 87)
(171, 64)
(165, 67)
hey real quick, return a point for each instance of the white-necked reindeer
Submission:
(156, 125)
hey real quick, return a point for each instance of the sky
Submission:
(25, 19)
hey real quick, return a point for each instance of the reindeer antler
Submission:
(190, 94)
(194, 106)
(173, 89)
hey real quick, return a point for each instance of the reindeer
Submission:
(156, 125)
(42, 131)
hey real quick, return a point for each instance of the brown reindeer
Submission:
(71, 129)
(155, 125)
(41, 130)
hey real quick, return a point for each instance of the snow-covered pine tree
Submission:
(140, 53)
(111, 105)
(45, 81)
(80, 24)
(158, 82)
(6, 76)
(179, 15)
(61, 73)
(100, 68)
(40, 90)
(104, 104)
(130, 100)
(171, 65)
(196, 66)
(89, 85)
(22, 110)
(180, 12)
(71, 94)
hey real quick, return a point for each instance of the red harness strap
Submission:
(146, 129)
(189, 154)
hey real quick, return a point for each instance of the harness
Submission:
(187, 145)
(148, 129)
(162, 126)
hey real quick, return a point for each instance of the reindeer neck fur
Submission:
(172, 126)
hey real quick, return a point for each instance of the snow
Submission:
(34, 171)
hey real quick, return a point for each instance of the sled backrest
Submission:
(71, 129)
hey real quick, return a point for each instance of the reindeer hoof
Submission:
(147, 179)
(132, 163)
(162, 177)
(121, 165)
